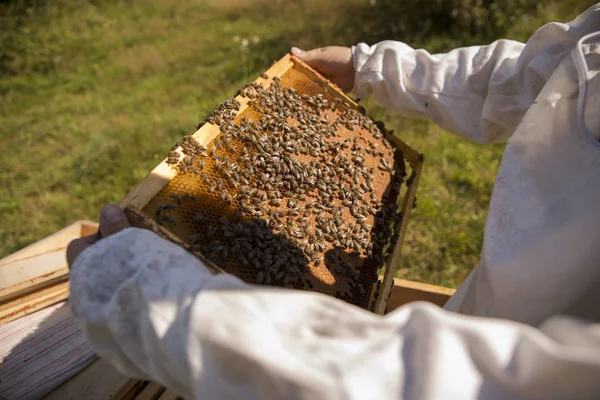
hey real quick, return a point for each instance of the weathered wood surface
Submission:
(36, 276)
(404, 292)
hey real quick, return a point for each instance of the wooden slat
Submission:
(130, 389)
(98, 381)
(88, 228)
(404, 292)
(168, 395)
(36, 277)
(27, 304)
(410, 154)
(24, 274)
(152, 391)
(163, 173)
(392, 263)
(56, 241)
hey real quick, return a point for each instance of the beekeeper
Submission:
(525, 322)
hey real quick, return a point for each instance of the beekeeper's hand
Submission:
(333, 62)
(112, 220)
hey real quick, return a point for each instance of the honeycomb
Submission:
(314, 246)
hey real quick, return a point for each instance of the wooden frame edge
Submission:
(22, 306)
(404, 292)
(160, 176)
(392, 262)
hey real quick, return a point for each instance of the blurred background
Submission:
(94, 93)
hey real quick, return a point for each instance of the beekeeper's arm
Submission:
(479, 92)
(155, 312)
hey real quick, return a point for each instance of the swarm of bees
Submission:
(302, 185)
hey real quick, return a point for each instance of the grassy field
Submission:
(93, 94)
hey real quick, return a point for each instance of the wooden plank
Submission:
(88, 228)
(390, 271)
(58, 240)
(151, 392)
(404, 292)
(168, 395)
(20, 275)
(36, 276)
(98, 381)
(410, 154)
(160, 176)
(27, 304)
(130, 389)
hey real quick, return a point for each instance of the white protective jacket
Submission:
(154, 311)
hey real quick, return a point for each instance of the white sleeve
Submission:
(479, 92)
(154, 311)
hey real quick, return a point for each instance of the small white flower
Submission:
(255, 39)
(245, 43)
(236, 38)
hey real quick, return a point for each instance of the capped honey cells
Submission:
(298, 190)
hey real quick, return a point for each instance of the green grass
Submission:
(93, 94)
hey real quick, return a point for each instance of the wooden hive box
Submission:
(182, 202)
(37, 276)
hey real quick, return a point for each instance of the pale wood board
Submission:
(21, 306)
(88, 228)
(21, 275)
(56, 241)
(168, 395)
(152, 391)
(404, 292)
(36, 276)
(130, 389)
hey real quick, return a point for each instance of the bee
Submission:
(176, 198)
(195, 238)
(169, 206)
(164, 220)
(200, 219)
(264, 76)
(243, 260)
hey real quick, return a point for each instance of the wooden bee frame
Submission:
(150, 186)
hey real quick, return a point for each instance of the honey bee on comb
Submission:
(292, 175)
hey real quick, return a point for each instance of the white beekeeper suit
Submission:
(155, 312)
